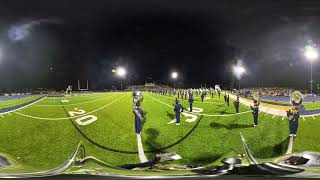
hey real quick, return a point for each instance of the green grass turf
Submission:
(10, 103)
(312, 105)
(39, 144)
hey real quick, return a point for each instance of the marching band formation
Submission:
(188, 94)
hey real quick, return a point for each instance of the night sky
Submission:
(52, 44)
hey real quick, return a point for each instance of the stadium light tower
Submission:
(311, 54)
(238, 71)
(174, 76)
(121, 73)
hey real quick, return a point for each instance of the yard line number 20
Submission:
(84, 120)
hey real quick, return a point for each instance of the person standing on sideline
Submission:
(255, 112)
(137, 111)
(294, 114)
(237, 104)
(178, 108)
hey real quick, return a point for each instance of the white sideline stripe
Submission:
(70, 104)
(35, 117)
(142, 156)
(23, 106)
(290, 146)
(211, 115)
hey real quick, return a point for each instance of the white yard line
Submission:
(273, 116)
(282, 118)
(142, 156)
(22, 107)
(43, 118)
(211, 115)
(71, 104)
(313, 117)
(72, 98)
(303, 118)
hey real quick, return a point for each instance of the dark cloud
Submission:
(200, 39)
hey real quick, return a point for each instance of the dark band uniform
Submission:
(255, 112)
(191, 100)
(237, 104)
(178, 108)
(293, 115)
(138, 117)
(228, 100)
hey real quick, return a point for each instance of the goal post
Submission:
(80, 88)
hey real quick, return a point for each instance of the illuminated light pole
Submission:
(311, 54)
(121, 73)
(174, 76)
(238, 70)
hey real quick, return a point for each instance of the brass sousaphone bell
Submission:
(296, 98)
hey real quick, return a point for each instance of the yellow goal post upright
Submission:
(81, 89)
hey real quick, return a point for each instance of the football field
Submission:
(44, 134)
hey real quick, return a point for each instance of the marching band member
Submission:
(203, 94)
(255, 109)
(228, 100)
(191, 100)
(211, 92)
(137, 111)
(237, 104)
(178, 108)
(293, 113)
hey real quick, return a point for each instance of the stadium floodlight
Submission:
(174, 76)
(121, 72)
(238, 70)
(311, 54)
